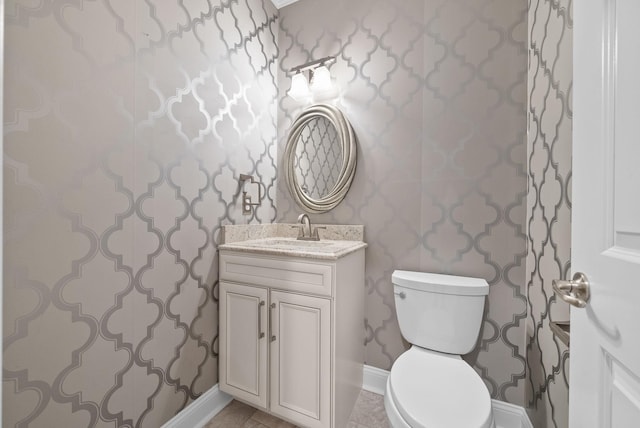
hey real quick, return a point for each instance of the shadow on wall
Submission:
(549, 242)
(436, 94)
(127, 126)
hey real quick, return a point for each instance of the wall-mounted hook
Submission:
(246, 199)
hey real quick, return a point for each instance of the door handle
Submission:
(260, 332)
(575, 292)
(273, 337)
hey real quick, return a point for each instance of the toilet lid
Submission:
(431, 389)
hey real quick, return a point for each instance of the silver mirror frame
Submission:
(349, 158)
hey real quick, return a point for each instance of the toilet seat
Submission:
(434, 390)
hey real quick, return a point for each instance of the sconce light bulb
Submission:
(322, 85)
(299, 88)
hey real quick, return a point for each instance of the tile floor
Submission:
(368, 413)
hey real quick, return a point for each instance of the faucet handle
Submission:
(300, 228)
(316, 236)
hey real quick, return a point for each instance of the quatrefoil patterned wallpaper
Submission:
(548, 207)
(127, 124)
(436, 92)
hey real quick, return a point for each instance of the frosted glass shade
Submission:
(321, 85)
(299, 88)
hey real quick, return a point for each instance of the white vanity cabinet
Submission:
(292, 334)
(243, 342)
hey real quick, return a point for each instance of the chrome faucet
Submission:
(304, 220)
(310, 234)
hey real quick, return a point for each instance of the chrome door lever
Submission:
(575, 292)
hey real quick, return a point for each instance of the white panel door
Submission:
(300, 359)
(243, 342)
(605, 335)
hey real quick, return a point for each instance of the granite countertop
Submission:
(280, 240)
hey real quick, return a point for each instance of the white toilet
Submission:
(430, 386)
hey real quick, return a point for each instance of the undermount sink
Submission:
(279, 239)
(292, 242)
(323, 249)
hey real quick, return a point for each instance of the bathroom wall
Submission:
(436, 92)
(126, 126)
(548, 207)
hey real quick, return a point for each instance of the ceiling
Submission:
(282, 3)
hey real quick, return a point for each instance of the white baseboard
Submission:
(198, 413)
(374, 379)
(506, 415)
(509, 415)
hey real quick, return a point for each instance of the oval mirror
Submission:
(320, 158)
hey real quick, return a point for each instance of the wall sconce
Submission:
(299, 88)
(322, 86)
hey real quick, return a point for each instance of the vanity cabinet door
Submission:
(243, 342)
(300, 359)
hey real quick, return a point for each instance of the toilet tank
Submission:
(439, 312)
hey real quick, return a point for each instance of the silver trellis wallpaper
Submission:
(548, 207)
(436, 92)
(126, 126)
(318, 158)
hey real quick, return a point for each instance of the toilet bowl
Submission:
(430, 385)
(429, 389)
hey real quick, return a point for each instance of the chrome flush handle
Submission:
(575, 292)
(400, 294)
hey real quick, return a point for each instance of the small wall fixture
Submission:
(322, 87)
(247, 205)
(299, 88)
